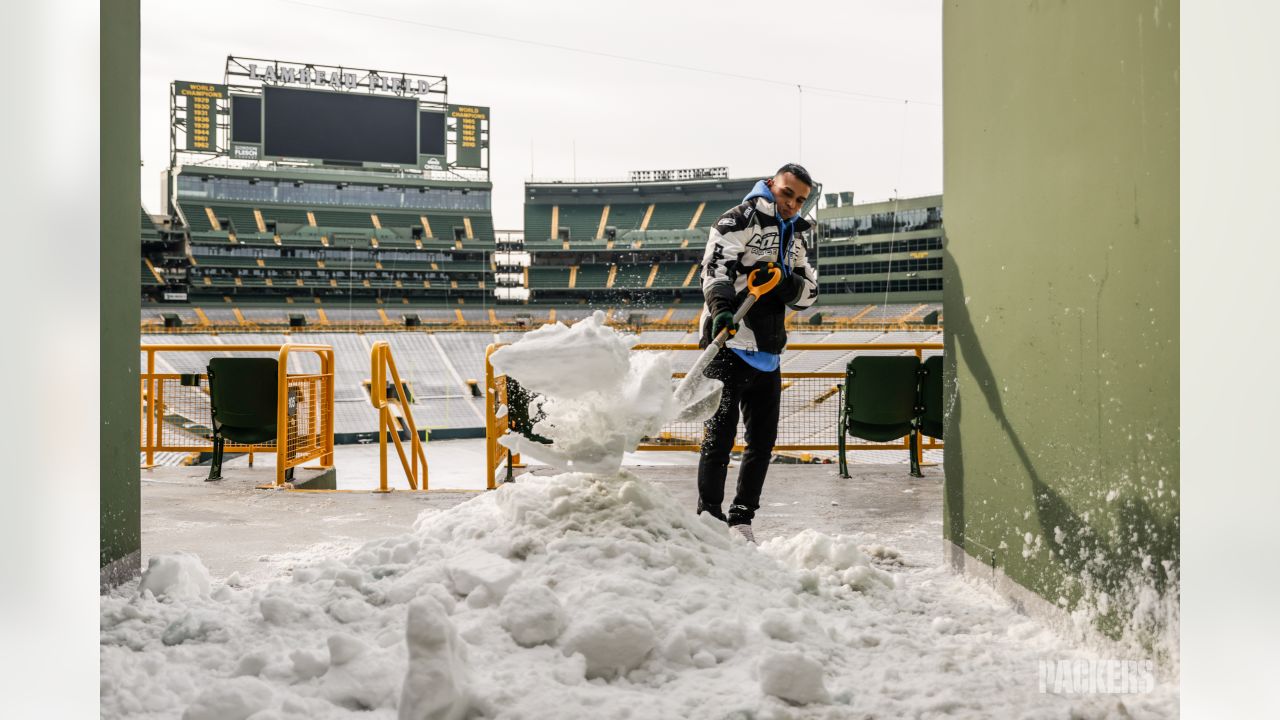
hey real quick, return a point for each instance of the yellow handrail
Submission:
(314, 390)
(495, 426)
(381, 360)
(286, 457)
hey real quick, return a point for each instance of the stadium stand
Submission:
(241, 219)
(673, 216)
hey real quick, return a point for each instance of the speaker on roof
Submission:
(815, 319)
(412, 320)
(171, 320)
(610, 232)
(931, 318)
(296, 320)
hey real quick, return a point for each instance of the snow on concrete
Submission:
(583, 595)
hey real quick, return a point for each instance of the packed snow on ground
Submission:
(583, 595)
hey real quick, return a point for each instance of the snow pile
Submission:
(177, 575)
(577, 596)
(544, 595)
(833, 560)
(599, 397)
(792, 676)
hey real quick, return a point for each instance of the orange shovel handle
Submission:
(774, 276)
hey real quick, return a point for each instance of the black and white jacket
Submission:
(743, 239)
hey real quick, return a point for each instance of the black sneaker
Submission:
(713, 512)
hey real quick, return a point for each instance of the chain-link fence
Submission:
(809, 416)
(176, 414)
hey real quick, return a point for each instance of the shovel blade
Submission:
(698, 400)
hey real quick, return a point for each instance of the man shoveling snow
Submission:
(764, 231)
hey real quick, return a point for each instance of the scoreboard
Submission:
(202, 113)
(340, 118)
(469, 119)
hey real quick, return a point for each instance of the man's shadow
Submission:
(1109, 561)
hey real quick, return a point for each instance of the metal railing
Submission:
(539, 315)
(176, 415)
(390, 408)
(808, 419)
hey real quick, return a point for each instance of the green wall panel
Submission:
(1061, 297)
(120, 503)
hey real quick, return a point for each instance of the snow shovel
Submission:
(697, 395)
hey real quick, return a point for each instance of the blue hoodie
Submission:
(758, 359)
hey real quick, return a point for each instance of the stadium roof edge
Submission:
(333, 175)
(857, 208)
(616, 183)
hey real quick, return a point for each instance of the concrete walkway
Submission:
(234, 527)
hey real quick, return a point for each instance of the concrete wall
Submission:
(1061, 296)
(121, 509)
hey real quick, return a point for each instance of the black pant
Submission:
(758, 395)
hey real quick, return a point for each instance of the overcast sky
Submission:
(857, 60)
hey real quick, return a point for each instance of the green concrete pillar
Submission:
(121, 509)
(1061, 303)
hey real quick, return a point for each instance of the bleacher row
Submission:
(341, 314)
(330, 283)
(293, 225)
(545, 223)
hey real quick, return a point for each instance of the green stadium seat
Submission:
(241, 218)
(284, 216)
(880, 402)
(592, 276)
(148, 277)
(482, 228)
(242, 401)
(548, 278)
(149, 230)
(208, 237)
(289, 262)
(672, 275)
(392, 241)
(673, 216)
(344, 219)
(404, 220)
(537, 223)
(632, 276)
(931, 416)
(626, 217)
(227, 261)
(582, 221)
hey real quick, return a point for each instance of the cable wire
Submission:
(867, 97)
